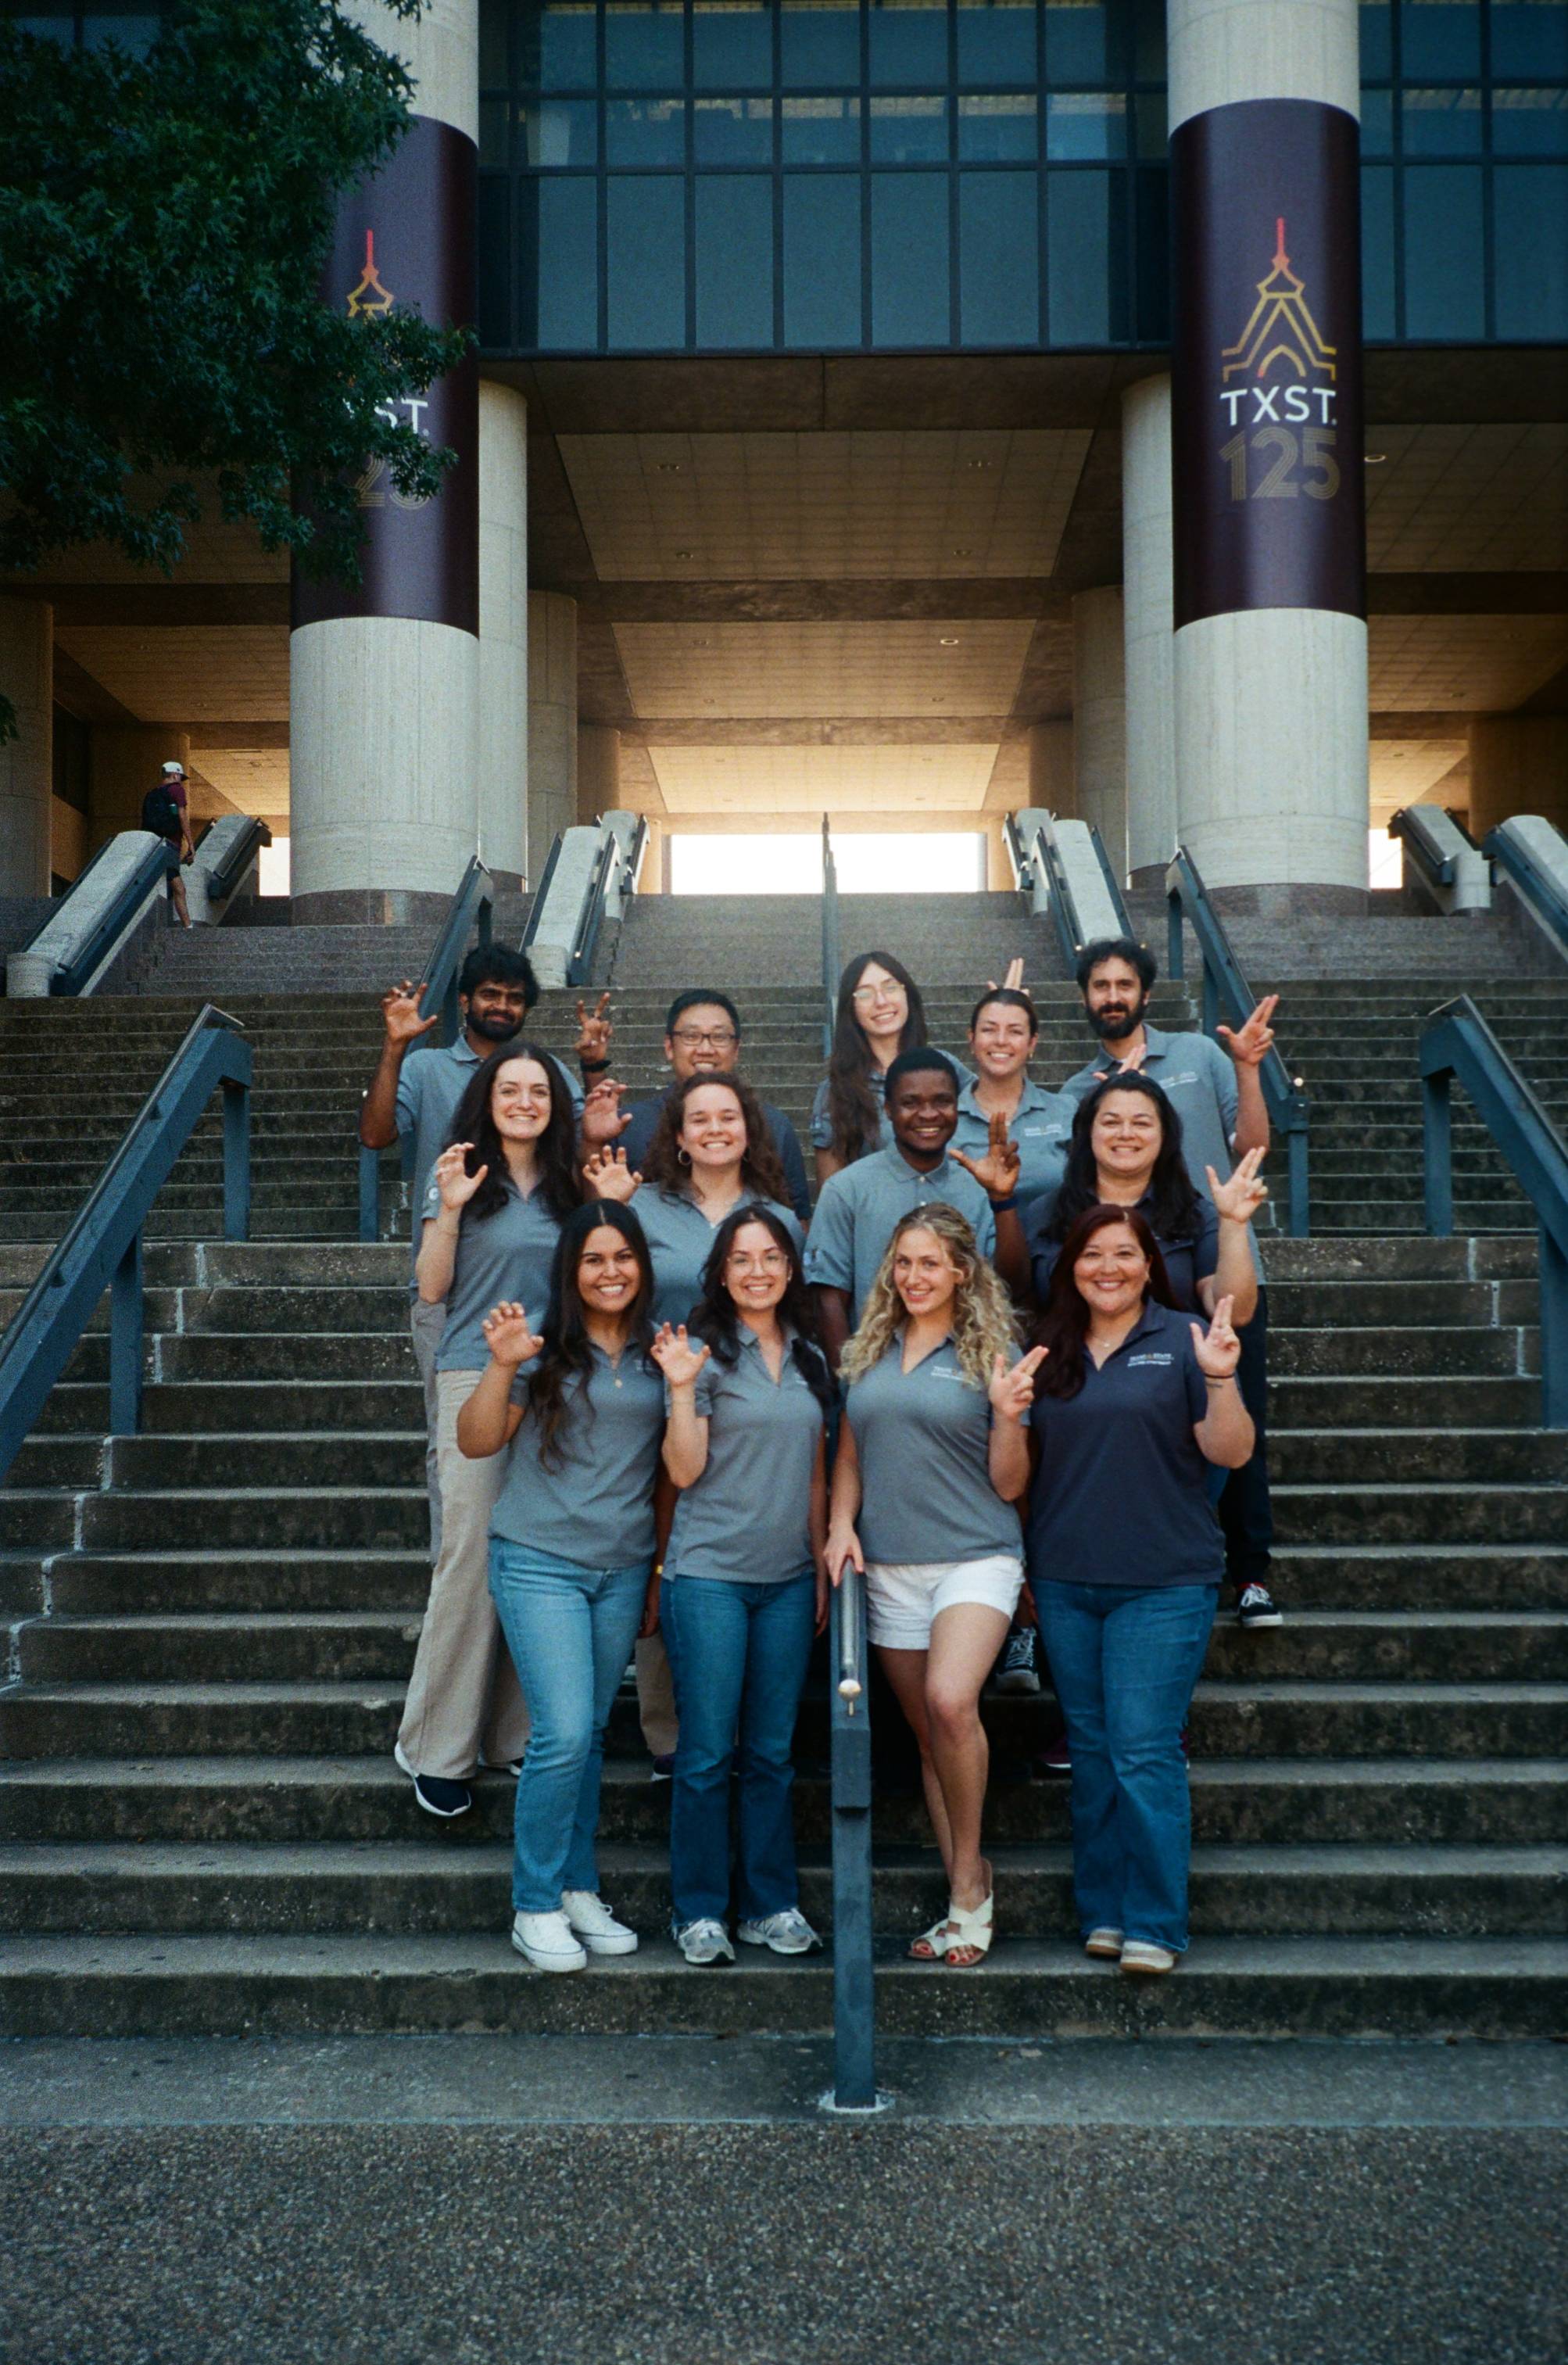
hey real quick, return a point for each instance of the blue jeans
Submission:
(570, 1632)
(738, 1654)
(1124, 1661)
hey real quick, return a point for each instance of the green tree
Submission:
(163, 218)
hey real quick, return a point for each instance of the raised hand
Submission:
(844, 1552)
(594, 1031)
(601, 1120)
(997, 1171)
(675, 1356)
(606, 1175)
(1012, 978)
(400, 1015)
(452, 1178)
(1218, 1350)
(507, 1336)
(1239, 1199)
(1251, 1044)
(1012, 1391)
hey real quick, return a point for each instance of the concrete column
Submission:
(503, 632)
(1270, 659)
(1146, 586)
(1052, 782)
(385, 749)
(598, 770)
(552, 722)
(1518, 763)
(27, 762)
(1100, 719)
(124, 760)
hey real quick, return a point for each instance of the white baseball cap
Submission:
(175, 767)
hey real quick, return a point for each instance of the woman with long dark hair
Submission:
(493, 1213)
(711, 1153)
(571, 1553)
(746, 1584)
(1134, 1403)
(879, 1013)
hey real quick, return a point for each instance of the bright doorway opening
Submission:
(272, 868)
(870, 862)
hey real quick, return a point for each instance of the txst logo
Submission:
(371, 299)
(1287, 375)
(368, 295)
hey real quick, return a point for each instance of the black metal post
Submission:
(369, 1193)
(1437, 1142)
(1175, 951)
(1553, 1333)
(1300, 1208)
(126, 1306)
(236, 1160)
(1211, 999)
(854, 1996)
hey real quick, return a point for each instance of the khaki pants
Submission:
(464, 1698)
(426, 1325)
(655, 1695)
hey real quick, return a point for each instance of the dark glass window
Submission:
(494, 123)
(1151, 256)
(999, 259)
(558, 266)
(734, 260)
(999, 127)
(1377, 39)
(1532, 122)
(1529, 36)
(910, 257)
(1444, 280)
(645, 44)
(1442, 122)
(1377, 122)
(909, 131)
(1086, 126)
(996, 40)
(820, 130)
(909, 42)
(495, 30)
(558, 131)
(1084, 42)
(558, 45)
(732, 42)
(1083, 250)
(1377, 252)
(645, 227)
(822, 258)
(644, 131)
(1439, 37)
(733, 131)
(1531, 240)
(820, 45)
(493, 233)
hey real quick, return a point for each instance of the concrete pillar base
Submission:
(1298, 901)
(369, 907)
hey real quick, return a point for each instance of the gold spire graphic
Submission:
(369, 296)
(1282, 328)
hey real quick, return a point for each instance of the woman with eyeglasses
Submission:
(880, 1015)
(745, 1586)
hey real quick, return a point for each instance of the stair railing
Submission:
(101, 1248)
(1457, 1042)
(832, 957)
(472, 906)
(1226, 995)
(60, 958)
(854, 1985)
(1508, 849)
(1070, 937)
(238, 859)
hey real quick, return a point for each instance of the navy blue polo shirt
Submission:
(1187, 1261)
(1120, 1492)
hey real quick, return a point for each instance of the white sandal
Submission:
(959, 1930)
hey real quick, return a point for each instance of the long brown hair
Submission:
(558, 1384)
(852, 1106)
(1063, 1325)
(716, 1319)
(761, 1174)
(560, 1186)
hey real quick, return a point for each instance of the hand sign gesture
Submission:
(453, 1180)
(400, 1015)
(1218, 1350)
(1251, 1044)
(601, 1120)
(676, 1358)
(1012, 1391)
(997, 1171)
(1012, 978)
(507, 1336)
(606, 1175)
(1239, 1199)
(594, 1031)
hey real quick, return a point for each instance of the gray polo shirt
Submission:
(1041, 1129)
(596, 1508)
(924, 1441)
(820, 1128)
(1120, 1492)
(506, 1255)
(430, 1084)
(1199, 1080)
(859, 1207)
(637, 1140)
(680, 1240)
(746, 1517)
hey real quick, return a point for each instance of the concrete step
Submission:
(1446, 1514)
(1322, 1575)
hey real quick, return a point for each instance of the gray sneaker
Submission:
(789, 1933)
(705, 1941)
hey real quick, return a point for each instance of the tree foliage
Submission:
(163, 219)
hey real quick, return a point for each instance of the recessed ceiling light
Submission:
(948, 641)
(670, 467)
(1374, 459)
(963, 550)
(683, 553)
(978, 464)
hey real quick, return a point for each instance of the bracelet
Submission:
(1002, 1206)
(593, 1067)
(1228, 1382)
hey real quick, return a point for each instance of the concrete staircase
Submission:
(742, 941)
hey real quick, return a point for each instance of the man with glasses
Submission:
(702, 1036)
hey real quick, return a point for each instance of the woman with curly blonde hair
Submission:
(933, 1459)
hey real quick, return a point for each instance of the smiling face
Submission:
(1112, 1273)
(712, 1129)
(1115, 998)
(703, 1041)
(1002, 1041)
(757, 1271)
(881, 1003)
(1126, 1135)
(495, 1012)
(923, 1110)
(924, 1273)
(520, 1100)
(607, 1272)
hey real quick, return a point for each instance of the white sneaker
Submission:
(789, 1933)
(595, 1924)
(705, 1941)
(546, 1939)
(1142, 1955)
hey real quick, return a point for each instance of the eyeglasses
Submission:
(888, 992)
(718, 1038)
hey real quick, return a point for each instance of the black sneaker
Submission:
(1255, 1606)
(663, 1769)
(435, 1795)
(1015, 1670)
(1056, 1757)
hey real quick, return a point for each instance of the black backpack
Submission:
(161, 813)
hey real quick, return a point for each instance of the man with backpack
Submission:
(163, 816)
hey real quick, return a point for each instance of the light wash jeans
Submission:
(1125, 1660)
(570, 1631)
(738, 1653)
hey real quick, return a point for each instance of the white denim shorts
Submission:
(902, 1597)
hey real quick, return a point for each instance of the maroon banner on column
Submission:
(405, 237)
(1266, 428)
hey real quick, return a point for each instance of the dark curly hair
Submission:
(852, 1108)
(1173, 1202)
(559, 1184)
(1063, 1325)
(761, 1173)
(714, 1319)
(558, 1380)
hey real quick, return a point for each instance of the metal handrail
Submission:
(536, 909)
(832, 956)
(1017, 853)
(101, 1247)
(1225, 994)
(1113, 885)
(112, 920)
(1412, 825)
(1069, 930)
(1457, 1041)
(854, 1996)
(608, 861)
(1526, 873)
(237, 860)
